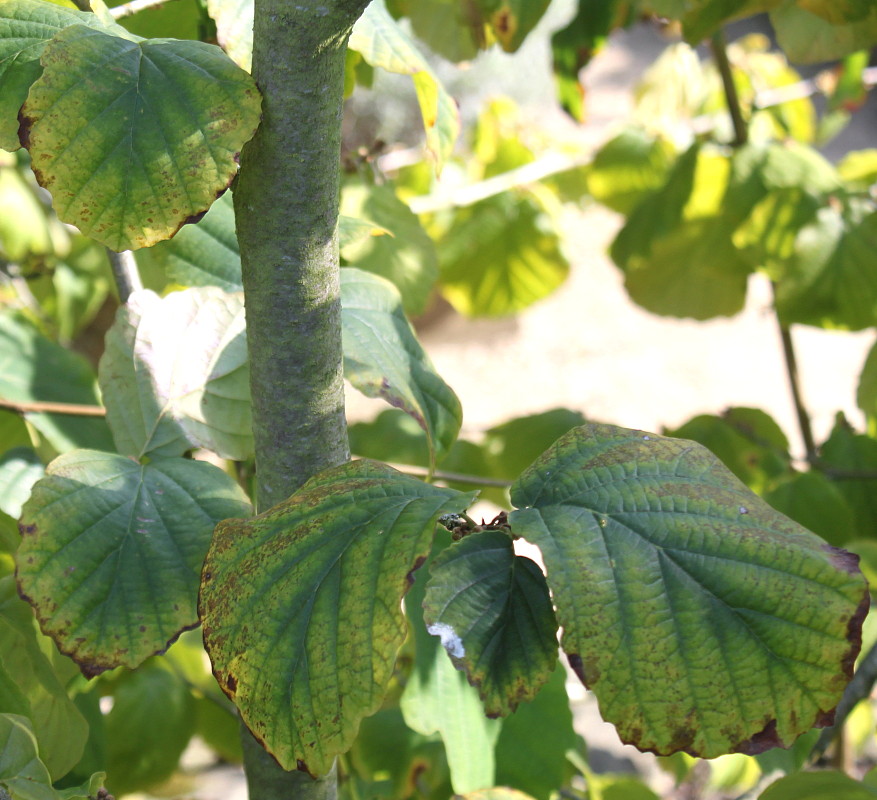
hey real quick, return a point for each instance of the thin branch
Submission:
(720, 54)
(48, 407)
(134, 7)
(125, 273)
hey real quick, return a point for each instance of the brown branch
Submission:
(720, 54)
(48, 407)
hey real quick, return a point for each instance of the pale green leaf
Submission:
(20, 468)
(173, 116)
(492, 612)
(234, 29)
(702, 619)
(407, 257)
(22, 774)
(447, 28)
(309, 592)
(866, 394)
(809, 37)
(174, 374)
(382, 358)
(352, 230)
(378, 38)
(859, 169)
(111, 552)
(499, 256)
(33, 368)
(818, 786)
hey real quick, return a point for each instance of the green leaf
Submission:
(539, 732)
(747, 440)
(437, 698)
(866, 394)
(493, 614)
(496, 793)
(808, 37)
(173, 116)
(20, 468)
(816, 503)
(858, 169)
(32, 368)
(175, 374)
(149, 726)
(817, 786)
(512, 20)
(352, 230)
(832, 279)
(702, 619)
(204, 254)
(111, 552)
(25, 230)
(25, 27)
(628, 167)
(22, 774)
(407, 257)
(378, 38)
(282, 590)
(851, 453)
(234, 29)
(702, 18)
(451, 30)
(499, 256)
(382, 358)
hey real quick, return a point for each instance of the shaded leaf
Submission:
(499, 256)
(437, 698)
(111, 552)
(809, 37)
(453, 30)
(33, 368)
(512, 20)
(539, 732)
(25, 27)
(818, 785)
(281, 591)
(173, 117)
(22, 774)
(407, 257)
(493, 615)
(382, 358)
(175, 374)
(685, 600)
(148, 727)
(378, 38)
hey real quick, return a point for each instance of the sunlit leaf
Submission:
(382, 43)
(173, 116)
(406, 257)
(702, 619)
(382, 358)
(492, 612)
(500, 256)
(20, 468)
(866, 395)
(859, 168)
(111, 552)
(175, 374)
(33, 368)
(309, 592)
(234, 29)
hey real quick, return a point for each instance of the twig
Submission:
(795, 388)
(134, 7)
(720, 54)
(125, 273)
(857, 689)
(48, 407)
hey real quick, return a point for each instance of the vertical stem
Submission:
(125, 274)
(720, 54)
(286, 205)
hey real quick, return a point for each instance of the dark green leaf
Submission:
(684, 599)
(407, 257)
(281, 591)
(382, 358)
(539, 732)
(173, 117)
(111, 552)
(512, 20)
(149, 726)
(175, 374)
(437, 698)
(818, 786)
(850, 453)
(747, 440)
(32, 368)
(499, 256)
(812, 500)
(493, 615)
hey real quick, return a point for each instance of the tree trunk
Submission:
(286, 203)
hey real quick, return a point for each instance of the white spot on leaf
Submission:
(450, 641)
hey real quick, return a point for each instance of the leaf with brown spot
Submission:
(702, 619)
(301, 605)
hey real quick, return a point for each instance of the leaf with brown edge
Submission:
(301, 605)
(702, 619)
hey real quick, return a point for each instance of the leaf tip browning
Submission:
(25, 124)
